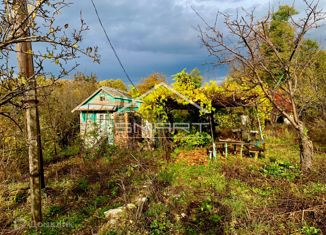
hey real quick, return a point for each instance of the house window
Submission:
(102, 98)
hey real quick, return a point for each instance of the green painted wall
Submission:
(93, 115)
(107, 97)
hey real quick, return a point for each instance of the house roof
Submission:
(107, 107)
(97, 107)
(116, 93)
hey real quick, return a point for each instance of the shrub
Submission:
(191, 140)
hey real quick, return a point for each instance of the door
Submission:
(106, 127)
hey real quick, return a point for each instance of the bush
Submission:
(191, 140)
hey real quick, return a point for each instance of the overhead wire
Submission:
(111, 45)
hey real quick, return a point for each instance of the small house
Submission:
(107, 114)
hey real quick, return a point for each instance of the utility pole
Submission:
(26, 71)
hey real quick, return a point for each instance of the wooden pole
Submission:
(26, 71)
(226, 149)
(212, 126)
(241, 149)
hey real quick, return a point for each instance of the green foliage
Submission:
(111, 233)
(21, 196)
(184, 80)
(154, 105)
(312, 189)
(165, 177)
(55, 210)
(282, 36)
(281, 169)
(206, 217)
(148, 83)
(307, 230)
(101, 200)
(158, 216)
(159, 105)
(159, 227)
(190, 140)
(263, 192)
(282, 33)
(114, 187)
(69, 151)
(82, 185)
(114, 83)
(189, 84)
(62, 126)
(283, 13)
(227, 118)
(227, 196)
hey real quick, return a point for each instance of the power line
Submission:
(111, 45)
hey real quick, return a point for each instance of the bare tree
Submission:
(25, 22)
(56, 42)
(247, 44)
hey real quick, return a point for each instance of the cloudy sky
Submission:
(157, 35)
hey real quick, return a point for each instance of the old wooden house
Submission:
(107, 114)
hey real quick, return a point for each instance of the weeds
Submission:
(206, 217)
(191, 140)
(230, 196)
(307, 230)
(281, 169)
(158, 219)
(165, 178)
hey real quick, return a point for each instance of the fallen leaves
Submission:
(195, 157)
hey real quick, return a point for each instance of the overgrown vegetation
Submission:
(234, 195)
(174, 184)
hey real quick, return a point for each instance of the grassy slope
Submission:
(233, 196)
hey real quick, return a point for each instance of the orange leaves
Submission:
(195, 157)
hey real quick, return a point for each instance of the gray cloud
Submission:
(156, 36)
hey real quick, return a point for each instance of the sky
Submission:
(157, 35)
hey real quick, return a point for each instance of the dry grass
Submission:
(188, 196)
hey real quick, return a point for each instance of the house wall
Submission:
(125, 133)
(118, 128)
(95, 126)
(91, 127)
(121, 102)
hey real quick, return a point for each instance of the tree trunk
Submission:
(34, 161)
(306, 149)
(26, 71)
